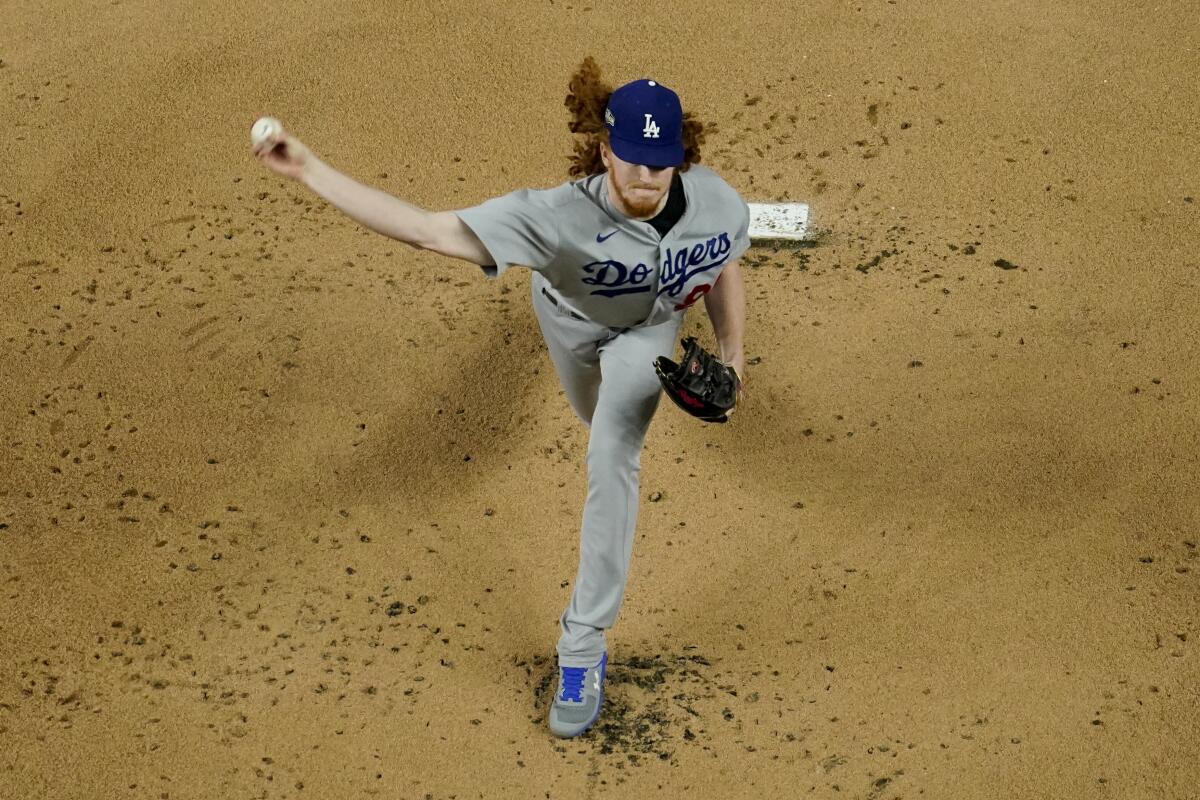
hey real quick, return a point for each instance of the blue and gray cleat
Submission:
(578, 700)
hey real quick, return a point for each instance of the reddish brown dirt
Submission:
(288, 509)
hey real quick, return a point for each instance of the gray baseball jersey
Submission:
(611, 269)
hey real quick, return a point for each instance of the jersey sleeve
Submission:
(519, 228)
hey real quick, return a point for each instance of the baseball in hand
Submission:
(264, 130)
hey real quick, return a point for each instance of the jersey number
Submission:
(695, 294)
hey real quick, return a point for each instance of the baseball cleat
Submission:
(578, 700)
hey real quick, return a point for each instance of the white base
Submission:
(778, 221)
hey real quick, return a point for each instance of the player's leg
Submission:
(628, 396)
(572, 346)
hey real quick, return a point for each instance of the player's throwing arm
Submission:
(441, 232)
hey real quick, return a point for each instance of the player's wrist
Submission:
(736, 362)
(313, 173)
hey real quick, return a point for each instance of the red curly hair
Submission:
(587, 97)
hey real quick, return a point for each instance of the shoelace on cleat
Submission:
(572, 683)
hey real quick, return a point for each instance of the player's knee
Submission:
(612, 453)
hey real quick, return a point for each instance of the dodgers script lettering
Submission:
(679, 268)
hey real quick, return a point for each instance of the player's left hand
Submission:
(701, 384)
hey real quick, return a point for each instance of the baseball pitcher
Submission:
(618, 254)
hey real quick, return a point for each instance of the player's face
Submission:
(640, 190)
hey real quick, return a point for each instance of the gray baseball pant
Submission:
(609, 379)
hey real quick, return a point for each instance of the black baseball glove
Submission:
(701, 384)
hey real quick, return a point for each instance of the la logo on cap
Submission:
(651, 130)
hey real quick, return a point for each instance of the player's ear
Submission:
(605, 155)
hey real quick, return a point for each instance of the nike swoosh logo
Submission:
(600, 238)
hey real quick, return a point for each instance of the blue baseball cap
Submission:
(645, 124)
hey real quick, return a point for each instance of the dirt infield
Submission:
(289, 510)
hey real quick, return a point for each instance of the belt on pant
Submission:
(561, 306)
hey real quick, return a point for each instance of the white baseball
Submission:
(265, 129)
